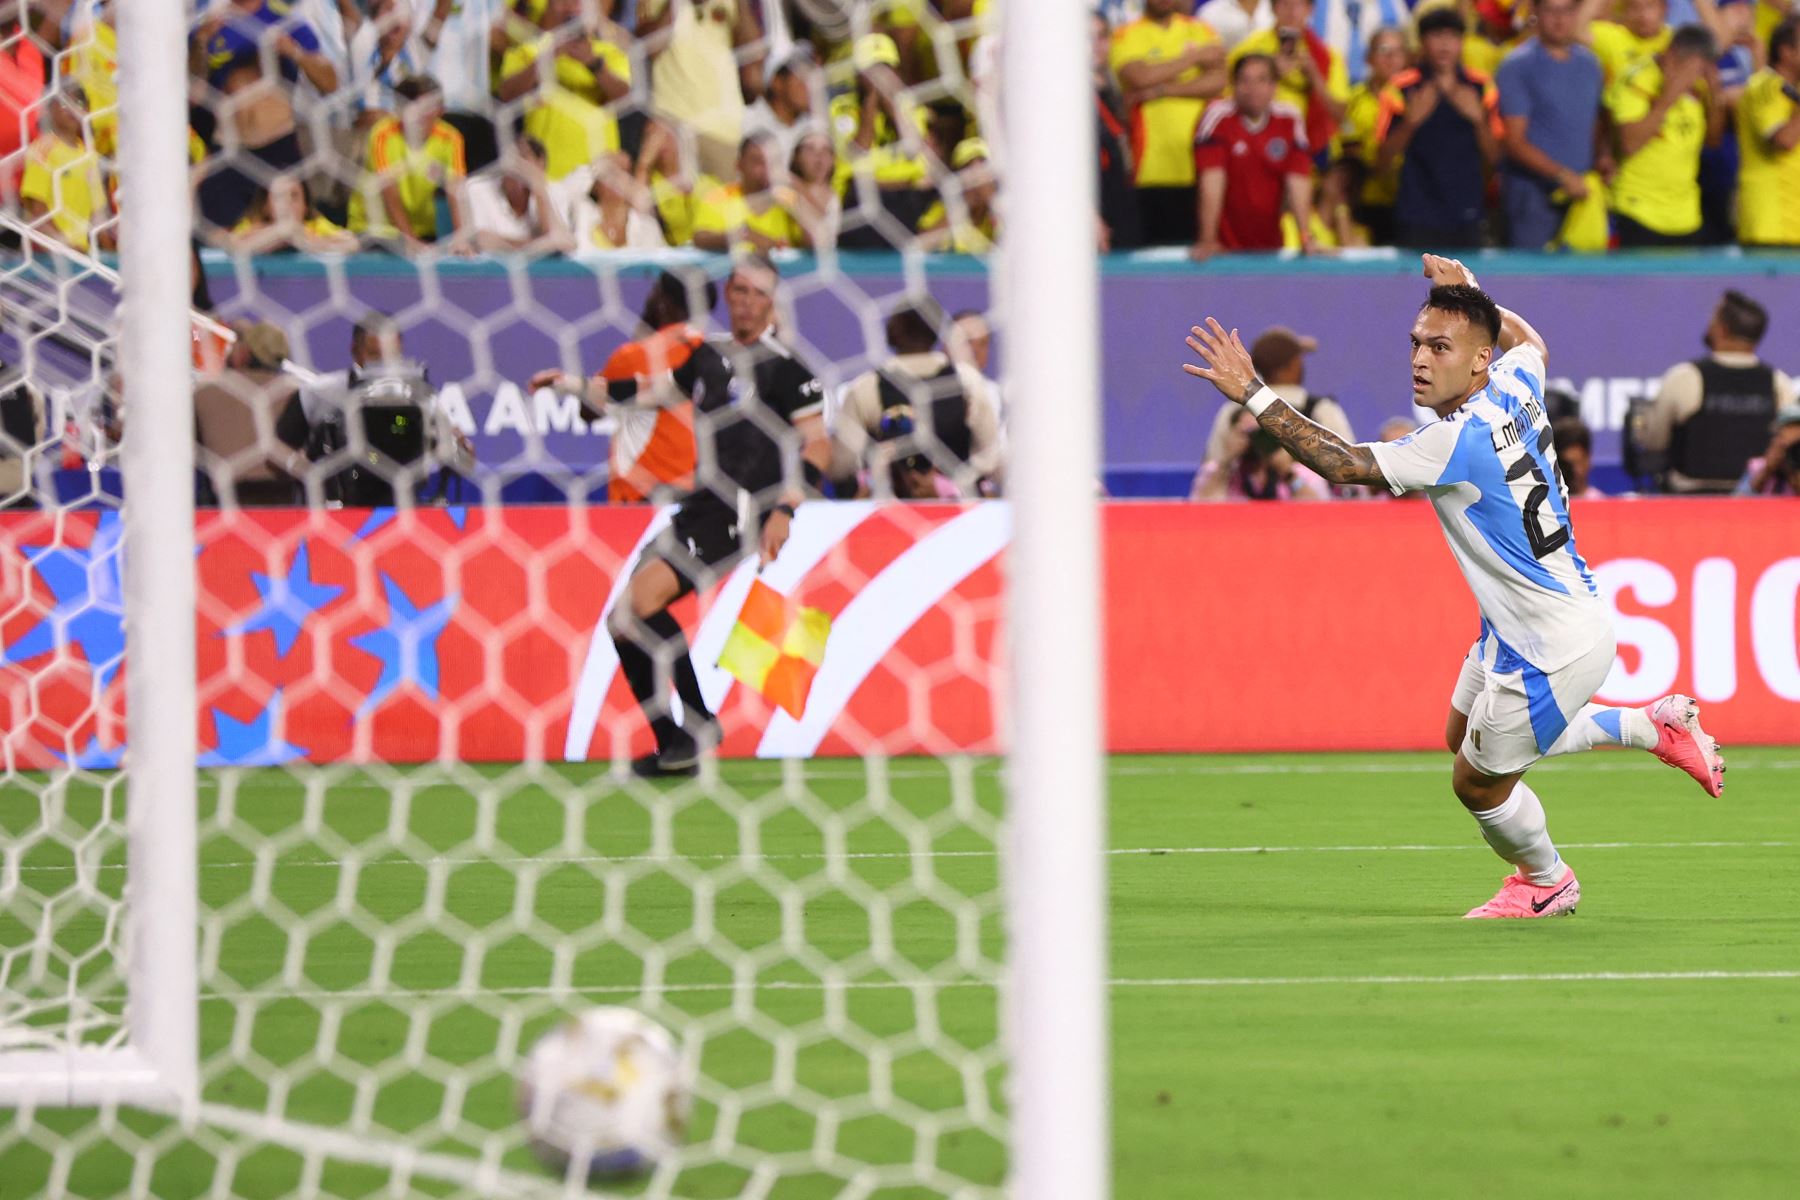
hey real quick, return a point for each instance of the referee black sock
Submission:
(681, 664)
(637, 649)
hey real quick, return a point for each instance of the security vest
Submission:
(1732, 426)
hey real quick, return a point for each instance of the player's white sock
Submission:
(1518, 832)
(1596, 725)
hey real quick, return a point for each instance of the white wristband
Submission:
(1261, 399)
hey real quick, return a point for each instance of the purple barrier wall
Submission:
(1614, 325)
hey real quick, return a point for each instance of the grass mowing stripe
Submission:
(554, 860)
(861, 985)
(754, 771)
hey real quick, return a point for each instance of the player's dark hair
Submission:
(373, 325)
(1695, 41)
(1571, 431)
(674, 295)
(1785, 34)
(1471, 303)
(912, 328)
(1742, 317)
(1268, 60)
(1442, 20)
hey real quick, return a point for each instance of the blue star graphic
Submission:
(458, 514)
(250, 743)
(375, 520)
(287, 600)
(406, 646)
(89, 611)
(94, 757)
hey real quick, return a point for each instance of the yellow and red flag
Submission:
(776, 647)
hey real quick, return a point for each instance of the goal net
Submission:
(313, 822)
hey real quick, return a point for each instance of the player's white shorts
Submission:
(1516, 711)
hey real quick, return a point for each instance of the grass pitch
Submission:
(1297, 1009)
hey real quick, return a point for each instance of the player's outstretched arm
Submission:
(1514, 329)
(1228, 368)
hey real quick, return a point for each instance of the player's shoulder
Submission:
(1524, 362)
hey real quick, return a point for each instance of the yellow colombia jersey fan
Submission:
(1659, 186)
(565, 115)
(1769, 180)
(418, 170)
(721, 208)
(1618, 48)
(65, 179)
(94, 64)
(1162, 130)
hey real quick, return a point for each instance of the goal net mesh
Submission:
(421, 845)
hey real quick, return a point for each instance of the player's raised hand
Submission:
(1442, 271)
(550, 377)
(1228, 365)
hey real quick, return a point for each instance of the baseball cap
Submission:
(875, 49)
(1786, 416)
(967, 151)
(266, 344)
(1277, 346)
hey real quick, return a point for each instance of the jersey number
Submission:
(1541, 543)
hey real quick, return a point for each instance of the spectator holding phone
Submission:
(1311, 75)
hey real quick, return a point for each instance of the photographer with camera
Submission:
(919, 404)
(1777, 471)
(378, 423)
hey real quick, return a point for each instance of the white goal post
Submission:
(156, 1062)
(1055, 828)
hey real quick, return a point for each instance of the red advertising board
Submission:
(479, 634)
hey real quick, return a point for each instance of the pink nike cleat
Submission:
(1681, 742)
(1519, 897)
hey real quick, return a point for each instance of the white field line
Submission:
(552, 861)
(840, 770)
(748, 987)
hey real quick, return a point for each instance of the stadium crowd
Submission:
(473, 126)
(750, 126)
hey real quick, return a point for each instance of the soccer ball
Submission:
(606, 1089)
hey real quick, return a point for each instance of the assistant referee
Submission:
(759, 428)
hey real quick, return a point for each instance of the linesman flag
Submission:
(776, 647)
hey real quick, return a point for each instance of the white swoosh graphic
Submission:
(602, 659)
(881, 613)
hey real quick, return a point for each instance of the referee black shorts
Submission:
(701, 545)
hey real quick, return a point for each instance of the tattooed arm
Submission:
(1324, 451)
(1229, 369)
